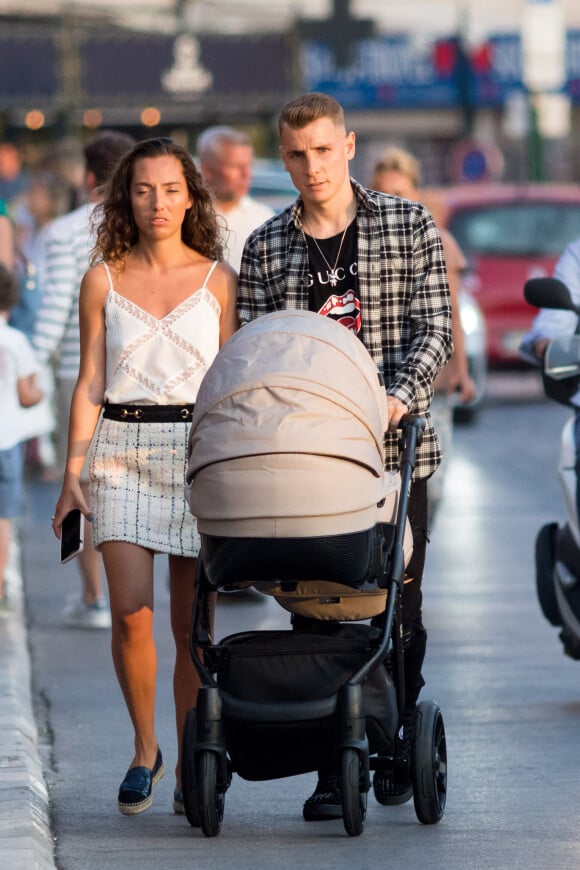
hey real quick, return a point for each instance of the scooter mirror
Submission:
(548, 293)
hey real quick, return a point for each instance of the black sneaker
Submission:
(325, 802)
(393, 786)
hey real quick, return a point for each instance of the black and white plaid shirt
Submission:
(405, 303)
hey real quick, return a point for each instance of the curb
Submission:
(26, 842)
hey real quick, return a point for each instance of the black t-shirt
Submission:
(332, 282)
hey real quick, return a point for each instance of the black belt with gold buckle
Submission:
(148, 413)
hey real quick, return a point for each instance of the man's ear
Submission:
(350, 144)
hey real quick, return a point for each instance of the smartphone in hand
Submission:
(72, 535)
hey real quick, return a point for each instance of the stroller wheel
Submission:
(354, 801)
(188, 778)
(429, 764)
(545, 561)
(210, 802)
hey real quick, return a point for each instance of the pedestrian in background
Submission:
(45, 199)
(13, 174)
(399, 173)
(226, 156)
(375, 264)
(154, 310)
(20, 248)
(65, 159)
(67, 246)
(18, 389)
(6, 237)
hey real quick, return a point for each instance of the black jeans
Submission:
(414, 634)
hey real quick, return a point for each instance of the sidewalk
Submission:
(25, 837)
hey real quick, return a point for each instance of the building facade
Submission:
(457, 99)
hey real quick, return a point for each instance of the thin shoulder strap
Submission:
(210, 270)
(109, 276)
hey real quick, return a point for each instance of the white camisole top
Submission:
(159, 362)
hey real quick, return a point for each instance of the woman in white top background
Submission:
(155, 307)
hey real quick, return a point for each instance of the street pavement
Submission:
(25, 832)
(510, 699)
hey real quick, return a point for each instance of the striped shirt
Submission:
(56, 337)
(402, 282)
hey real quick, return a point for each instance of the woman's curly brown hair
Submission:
(115, 228)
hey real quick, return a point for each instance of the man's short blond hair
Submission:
(303, 110)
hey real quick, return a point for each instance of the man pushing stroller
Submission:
(374, 263)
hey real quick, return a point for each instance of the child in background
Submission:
(18, 389)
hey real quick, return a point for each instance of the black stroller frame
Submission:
(206, 767)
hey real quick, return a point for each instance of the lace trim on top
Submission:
(188, 357)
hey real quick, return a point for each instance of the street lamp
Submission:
(70, 66)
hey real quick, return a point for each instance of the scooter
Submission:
(558, 546)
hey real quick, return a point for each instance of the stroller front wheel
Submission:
(210, 801)
(188, 777)
(354, 801)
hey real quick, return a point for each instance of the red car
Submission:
(510, 233)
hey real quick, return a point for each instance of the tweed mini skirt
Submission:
(137, 486)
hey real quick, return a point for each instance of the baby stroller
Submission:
(286, 478)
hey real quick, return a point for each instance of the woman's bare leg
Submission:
(129, 570)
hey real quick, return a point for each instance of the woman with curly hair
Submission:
(155, 307)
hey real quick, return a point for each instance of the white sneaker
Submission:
(81, 615)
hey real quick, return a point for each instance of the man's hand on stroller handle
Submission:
(397, 411)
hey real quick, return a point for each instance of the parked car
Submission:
(510, 233)
(473, 323)
(271, 184)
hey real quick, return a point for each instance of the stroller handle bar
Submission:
(411, 421)
(412, 428)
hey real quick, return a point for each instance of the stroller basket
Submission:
(285, 684)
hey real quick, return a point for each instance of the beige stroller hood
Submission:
(287, 433)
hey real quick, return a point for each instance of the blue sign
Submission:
(472, 161)
(386, 72)
(396, 72)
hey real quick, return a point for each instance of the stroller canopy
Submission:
(287, 432)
